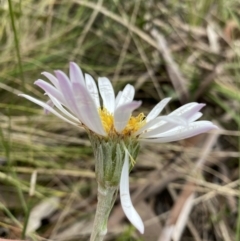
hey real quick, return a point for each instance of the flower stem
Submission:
(106, 199)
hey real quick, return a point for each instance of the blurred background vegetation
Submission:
(188, 50)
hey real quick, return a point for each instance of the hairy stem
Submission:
(106, 199)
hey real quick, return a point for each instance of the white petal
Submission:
(161, 122)
(127, 95)
(49, 108)
(181, 132)
(157, 109)
(185, 112)
(155, 127)
(179, 111)
(178, 120)
(60, 107)
(123, 113)
(118, 98)
(87, 108)
(75, 73)
(107, 93)
(195, 117)
(148, 125)
(126, 202)
(92, 88)
(189, 111)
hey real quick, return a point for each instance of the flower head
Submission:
(109, 119)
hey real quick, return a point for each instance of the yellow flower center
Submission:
(133, 125)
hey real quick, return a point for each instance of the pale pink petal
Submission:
(52, 78)
(75, 73)
(92, 88)
(157, 109)
(87, 108)
(60, 107)
(123, 113)
(67, 91)
(49, 89)
(107, 93)
(127, 95)
(50, 103)
(181, 132)
(48, 108)
(125, 198)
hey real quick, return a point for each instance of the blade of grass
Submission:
(6, 145)
(16, 43)
(238, 117)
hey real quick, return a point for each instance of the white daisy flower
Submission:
(77, 101)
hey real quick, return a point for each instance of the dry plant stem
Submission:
(106, 199)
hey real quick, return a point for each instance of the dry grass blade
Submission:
(175, 75)
(1, 239)
(33, 183)
(179, 214)
(205, 83)
(87, 28)
(221, 226)
(121, 21)
(41, 211)
(152, 225)
(229, 29)
(213, 38)
(126, 43)
(60, 172)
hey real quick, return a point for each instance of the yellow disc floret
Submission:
(107, 120)
(133, 125)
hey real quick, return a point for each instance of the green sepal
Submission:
(109, 157)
